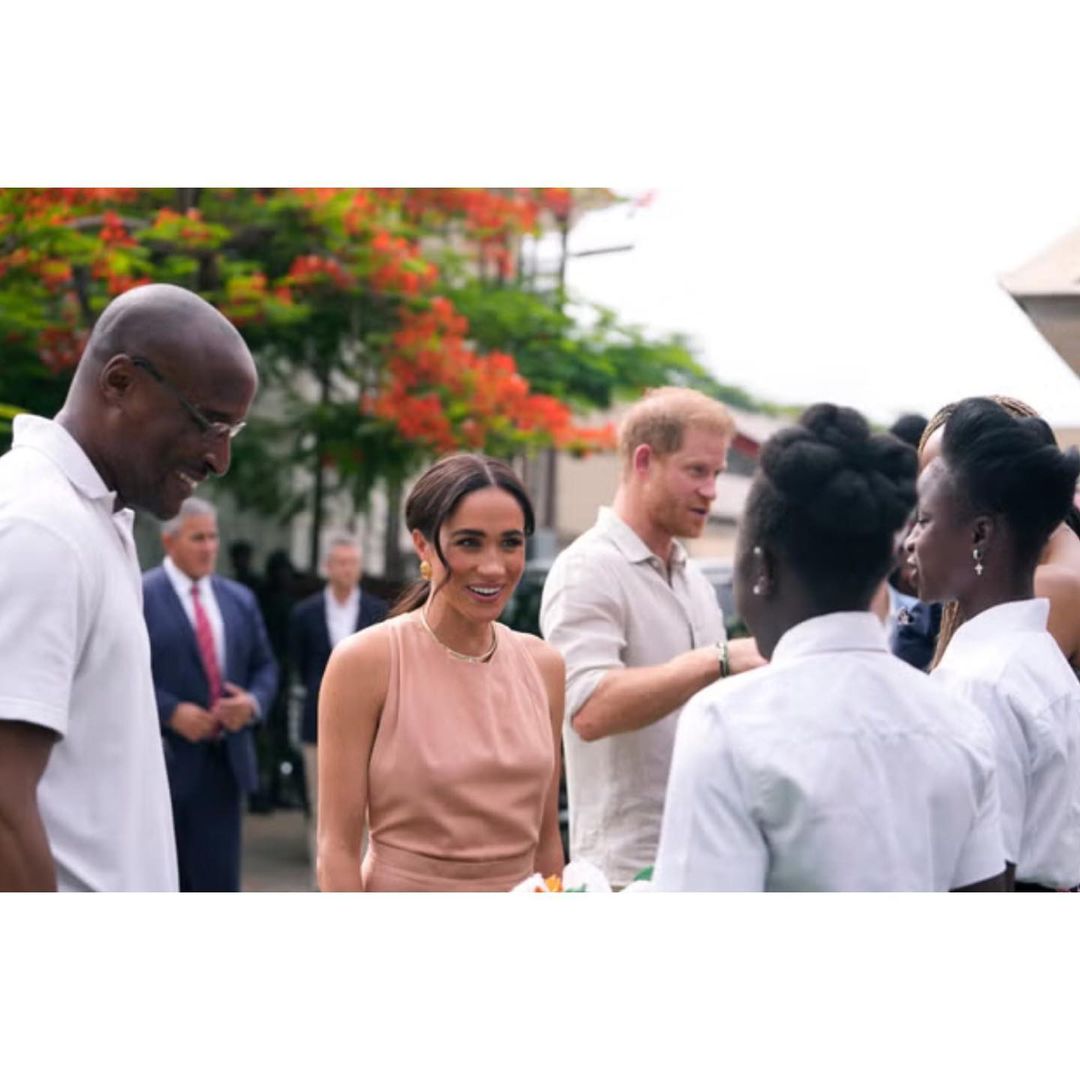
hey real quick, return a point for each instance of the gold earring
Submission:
(425, 570)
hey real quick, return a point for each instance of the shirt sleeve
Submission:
(41, 624)
(582, 616)
(709, 839)
(982, 855)
(1009, 750)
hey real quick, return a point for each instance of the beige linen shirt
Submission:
(608, 604)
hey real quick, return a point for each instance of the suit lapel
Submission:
(229, 622)
(361, 613)
(174, 610)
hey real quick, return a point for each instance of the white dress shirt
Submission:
(837, 767)
(608, 604)
(1005, 663)
(75, 658)
(182, 584)
(341, 618)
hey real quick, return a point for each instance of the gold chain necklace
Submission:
(482, 659)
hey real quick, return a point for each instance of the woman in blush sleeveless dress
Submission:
(462, 765)
(440, 728)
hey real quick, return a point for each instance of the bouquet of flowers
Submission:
(581, 876)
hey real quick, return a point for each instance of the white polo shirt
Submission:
(75, 658)
(838, 767)
(608, 604)
(1005, 663)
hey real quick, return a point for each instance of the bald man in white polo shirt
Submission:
(639, 628)
(163, 385)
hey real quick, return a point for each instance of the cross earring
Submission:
(978, 561)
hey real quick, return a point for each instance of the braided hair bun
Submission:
(830, 496)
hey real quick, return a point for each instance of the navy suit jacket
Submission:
(179, 675)
(915, 636)
(309, 648)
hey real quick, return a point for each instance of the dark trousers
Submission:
(207, 824)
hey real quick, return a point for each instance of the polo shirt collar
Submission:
(1015, 617)
(59, 446)
(839, 631)
(630, 544)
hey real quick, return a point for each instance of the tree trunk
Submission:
(393, 561)
(318, 493)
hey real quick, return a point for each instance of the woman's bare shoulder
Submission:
(370, 646)
(1058, 582)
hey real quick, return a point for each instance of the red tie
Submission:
(204, 635)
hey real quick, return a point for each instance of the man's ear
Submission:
(116, 378)
(642, 458)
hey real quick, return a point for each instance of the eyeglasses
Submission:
(211, 429)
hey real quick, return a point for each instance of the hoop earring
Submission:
(977, 556)
(425, 570)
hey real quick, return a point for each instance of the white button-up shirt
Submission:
(837, 767)
(75, 658)
(341, 618)
(182, 584)
(1005, 663)
(608, 604)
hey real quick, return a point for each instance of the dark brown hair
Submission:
(437, 494)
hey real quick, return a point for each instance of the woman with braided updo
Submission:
(838, 766)
(987, 506)
(1057, 575)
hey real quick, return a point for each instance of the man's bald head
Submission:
(163, 378)
(178, 328)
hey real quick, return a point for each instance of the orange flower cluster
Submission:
(188, 226)
(399, 267)
(485, 212)
(113, 232)
(558, 200)
(54, 273)
(61, 346)
(359, 213)
(308, 271)
(432, 366)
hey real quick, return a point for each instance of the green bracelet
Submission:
(725, 663)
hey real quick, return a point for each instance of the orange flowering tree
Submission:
(391, 325)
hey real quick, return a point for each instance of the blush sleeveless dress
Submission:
(460, 769)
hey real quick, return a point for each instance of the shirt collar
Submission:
(60, 447)
(630, 544)
(839, 631)
(181, 582)
(1019, 615)
(350, 601)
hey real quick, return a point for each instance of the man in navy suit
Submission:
(214, 677)
(316, 625)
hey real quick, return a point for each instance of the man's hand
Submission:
(235, 709)
(743, 655)
(193, 722)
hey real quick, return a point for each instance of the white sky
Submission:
(847, 289)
